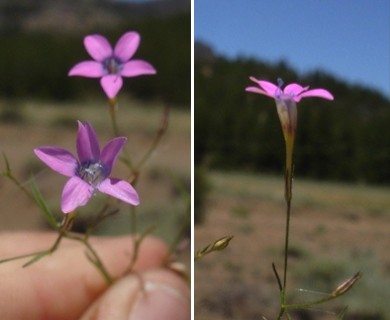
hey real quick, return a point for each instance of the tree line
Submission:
(347, 139)
(35, 64)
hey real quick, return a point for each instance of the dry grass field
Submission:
(25, 125)
(336, 230)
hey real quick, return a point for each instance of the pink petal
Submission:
(269, 87)
(257, 90)
(320, 93)
(87, 144)
(90, 69)
(136, 68)
(111, 151)
(294, 89)
(127, 45)
(98, 47)
(111, 84)
(58, 159)
(76, 193)
(254, 80)
(119, 189)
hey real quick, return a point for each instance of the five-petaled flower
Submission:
(91, 172)
(286, 106)
(286, 100)
(112, 64)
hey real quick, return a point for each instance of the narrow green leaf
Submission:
(7, 166)
(39, 256)
(341, 315)
(42, 205)
(277, 276)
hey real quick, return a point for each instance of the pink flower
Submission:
(286, 106)
(286, 100)
(112, 64)
(91, 172)
(292, 90)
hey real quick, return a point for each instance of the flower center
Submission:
(93, 173)
(112, 65)
(280, 83)
(279, 91)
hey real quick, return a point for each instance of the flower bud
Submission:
(346, 285)
(221, 243)
(218, 245)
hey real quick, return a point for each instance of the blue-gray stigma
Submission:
(112, 65)
(279, 91)
(93, 173)
(280, 83)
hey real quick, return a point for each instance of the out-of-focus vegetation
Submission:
(346, 139)
(201, 190)
(339, 229)
(35, 64)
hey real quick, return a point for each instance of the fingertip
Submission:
(154, 294)
(66, 277)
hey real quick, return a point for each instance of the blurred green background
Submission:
(42, 40)
(345, 140)
(340, 204)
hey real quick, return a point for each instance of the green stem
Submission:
(307, 304)
(133, 220)
(36, 255)
(286, 246)
(288, 181)
(341, 289)
(136, 245)
(8, 174)
(92, 256)
(113, 106)
(277, 277)
(281, 313)
(134, 227)
(288, 197)
(98, 263)
(63, 233)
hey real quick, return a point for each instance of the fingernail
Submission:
(160, 301)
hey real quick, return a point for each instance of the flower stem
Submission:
(8, 174)
(92, 255)
(339, 291)
(136, 246)
(112, 106)
(288, 195)
(36, 255)
(97, 262)
(288, 178)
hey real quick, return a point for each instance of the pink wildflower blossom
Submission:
(112, 64)
(292, 91)
(90, 172)
(286, 99)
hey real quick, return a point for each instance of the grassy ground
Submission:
(336, 230)
(26, 125)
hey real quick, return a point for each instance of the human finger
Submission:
(64, 284)
(149, 295)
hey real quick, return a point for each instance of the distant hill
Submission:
(80, 15)
(203, 52)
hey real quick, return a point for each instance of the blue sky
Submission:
(350, 39)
